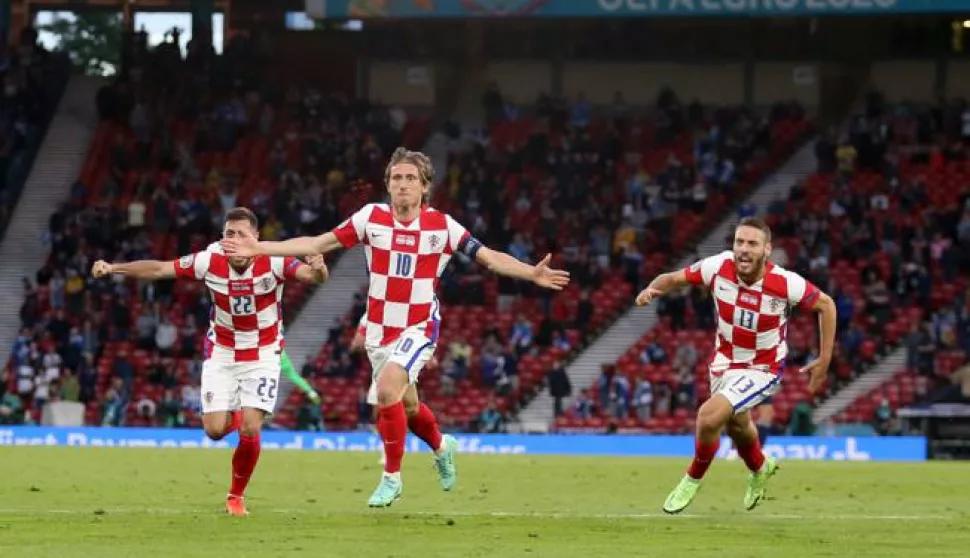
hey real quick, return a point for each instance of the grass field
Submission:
(105, 503)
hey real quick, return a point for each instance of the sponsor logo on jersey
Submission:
(237, 288)
(406, 240)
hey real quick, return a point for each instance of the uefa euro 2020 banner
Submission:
(863, 448)
(344, 9)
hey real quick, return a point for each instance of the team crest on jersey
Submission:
(185, 262)
(265, 283)
(434, 241)
(208, 396)
(776, 304)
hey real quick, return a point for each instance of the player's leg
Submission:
(258, 385)
(392, 424)
(744, 433)
(399, 366)
(422, 422)
(766, 415)
(372, 401)
(711, 420)
(290, 371)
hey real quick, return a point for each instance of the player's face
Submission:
(750, 250)
(405, 185)
(236, 229)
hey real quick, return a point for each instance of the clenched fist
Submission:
(316, 262)
(100, 269)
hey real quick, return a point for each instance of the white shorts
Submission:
(229, 386)
(411, 351)
(745, 388)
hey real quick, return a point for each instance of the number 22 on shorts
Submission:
(266, 388)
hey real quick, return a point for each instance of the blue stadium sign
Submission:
(849, 448)
(363, 9)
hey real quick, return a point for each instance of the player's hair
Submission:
(242, 214)
(416, 158)
(756, 223)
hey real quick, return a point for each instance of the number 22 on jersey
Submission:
(242, 305)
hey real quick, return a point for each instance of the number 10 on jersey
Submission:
(403, 265)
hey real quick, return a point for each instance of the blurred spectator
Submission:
(559, 386)
(491, 420)
(643, 400)
(801, 423)
(884, 419)
(114, 403)
(165, 337)
(653, 352)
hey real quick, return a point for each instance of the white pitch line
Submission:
(494, 514)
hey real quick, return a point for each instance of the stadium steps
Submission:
(58, 164)
(629, 328)
(329, 302)
(882, 372)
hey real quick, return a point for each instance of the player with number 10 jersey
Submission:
(408, 245)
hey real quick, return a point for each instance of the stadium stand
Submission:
(884, 195)
(33, 82)
(164, 165)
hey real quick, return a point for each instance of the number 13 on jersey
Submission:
(746, 319)
(403, 264)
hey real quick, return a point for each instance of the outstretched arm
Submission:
(152, 270)
(247, 247)
(661, 285)
(540, 274)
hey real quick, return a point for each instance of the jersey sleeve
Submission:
(460, 240)
(352, 231)
(193, 266)
(802, 293)
(702, 272)
(286, 268)
(362, 325)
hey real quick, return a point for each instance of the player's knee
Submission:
(712, 416)
(735, 429)
(214, 433)
(251, 427)
(391, 384)
(411, 407)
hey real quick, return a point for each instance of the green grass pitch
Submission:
(105, 503)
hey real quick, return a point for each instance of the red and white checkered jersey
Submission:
(752, 319)
(246, 323)
(405, 261)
